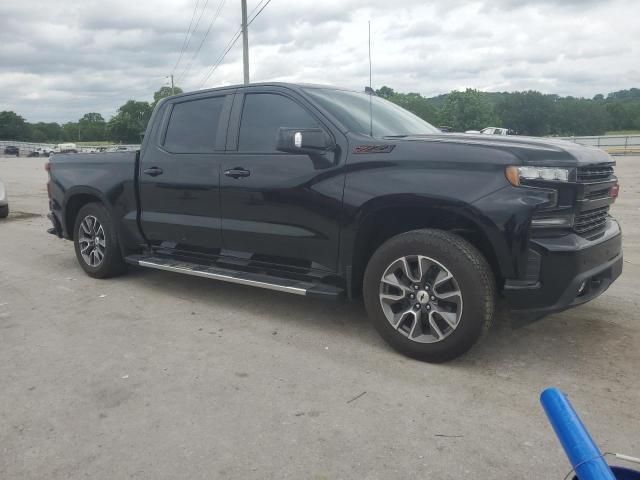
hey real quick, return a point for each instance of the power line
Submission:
(233, 40)
(206, 34)
(229, 46)
(255, 8)
(186, 36)
(195, 27)
(259, 12)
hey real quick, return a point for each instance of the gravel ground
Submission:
(155, 375)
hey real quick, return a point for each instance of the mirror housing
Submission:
(310, 141)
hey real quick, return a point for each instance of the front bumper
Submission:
(572, 271)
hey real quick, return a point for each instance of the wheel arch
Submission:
(75, 199)
(387, 217)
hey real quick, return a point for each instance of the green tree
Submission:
(624, 116)
(92, 127)
(632, 93)
(414, 102)
(13, 127)
(129, 123)
(528, 113)
(71, 132)
(385, 92)
(578, 116)
(468, 110)
(164, 92)
(50, 132)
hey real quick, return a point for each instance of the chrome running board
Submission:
(260, 280)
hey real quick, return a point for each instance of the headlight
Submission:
(516, 175)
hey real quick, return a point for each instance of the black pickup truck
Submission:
(327, 192)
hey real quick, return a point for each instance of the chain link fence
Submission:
(613, 144)
(27, 148)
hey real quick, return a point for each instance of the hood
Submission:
(530, 150)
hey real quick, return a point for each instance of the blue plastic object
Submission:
(583, 453)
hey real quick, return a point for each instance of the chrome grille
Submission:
(591, 221)
(597, 173)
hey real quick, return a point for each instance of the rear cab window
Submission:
(198, 125)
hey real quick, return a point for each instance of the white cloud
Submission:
(61, 59)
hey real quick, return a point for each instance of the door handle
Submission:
(237, 172)
(153, 171)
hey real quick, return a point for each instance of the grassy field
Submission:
(624, 132)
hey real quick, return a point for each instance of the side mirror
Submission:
(310, 141)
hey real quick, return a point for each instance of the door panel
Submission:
(285, 207)
(180, 176)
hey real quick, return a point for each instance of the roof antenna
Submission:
(371, 92)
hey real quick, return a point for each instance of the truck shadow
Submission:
(563, 340)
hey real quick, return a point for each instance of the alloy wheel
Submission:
(91, 239)
(421, 299)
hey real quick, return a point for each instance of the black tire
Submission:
(4, 211)
(112, 263)
(471, 272)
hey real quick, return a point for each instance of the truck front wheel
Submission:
(429, 293)
(96, 242)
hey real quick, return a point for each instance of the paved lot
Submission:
(159, 376)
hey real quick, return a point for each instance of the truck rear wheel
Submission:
(96, 242)
(430, 294)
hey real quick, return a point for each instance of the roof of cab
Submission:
(293, 86)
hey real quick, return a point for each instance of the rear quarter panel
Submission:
(110, 177)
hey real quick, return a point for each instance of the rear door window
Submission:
(194, 125)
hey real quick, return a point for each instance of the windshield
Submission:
(352, 110)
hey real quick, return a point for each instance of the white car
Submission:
(4, 201)
(66, 148)
(44, 151)
(490, 131)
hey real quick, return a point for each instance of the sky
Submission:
(60, 59)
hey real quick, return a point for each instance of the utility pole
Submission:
(245, 42)
(173, 90)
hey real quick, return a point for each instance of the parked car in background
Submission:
(65, 148)
(445, 129)
(119, 148)
(11, 150)
(4, 201)
(41, 152)
(492, 131)
(44, 151)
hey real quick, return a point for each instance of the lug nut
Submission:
(417, 306)
(428, 307)
(432, 297)
(412, 296)
(416, 287)
(426, 287)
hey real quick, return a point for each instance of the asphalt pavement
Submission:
(155, 375)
